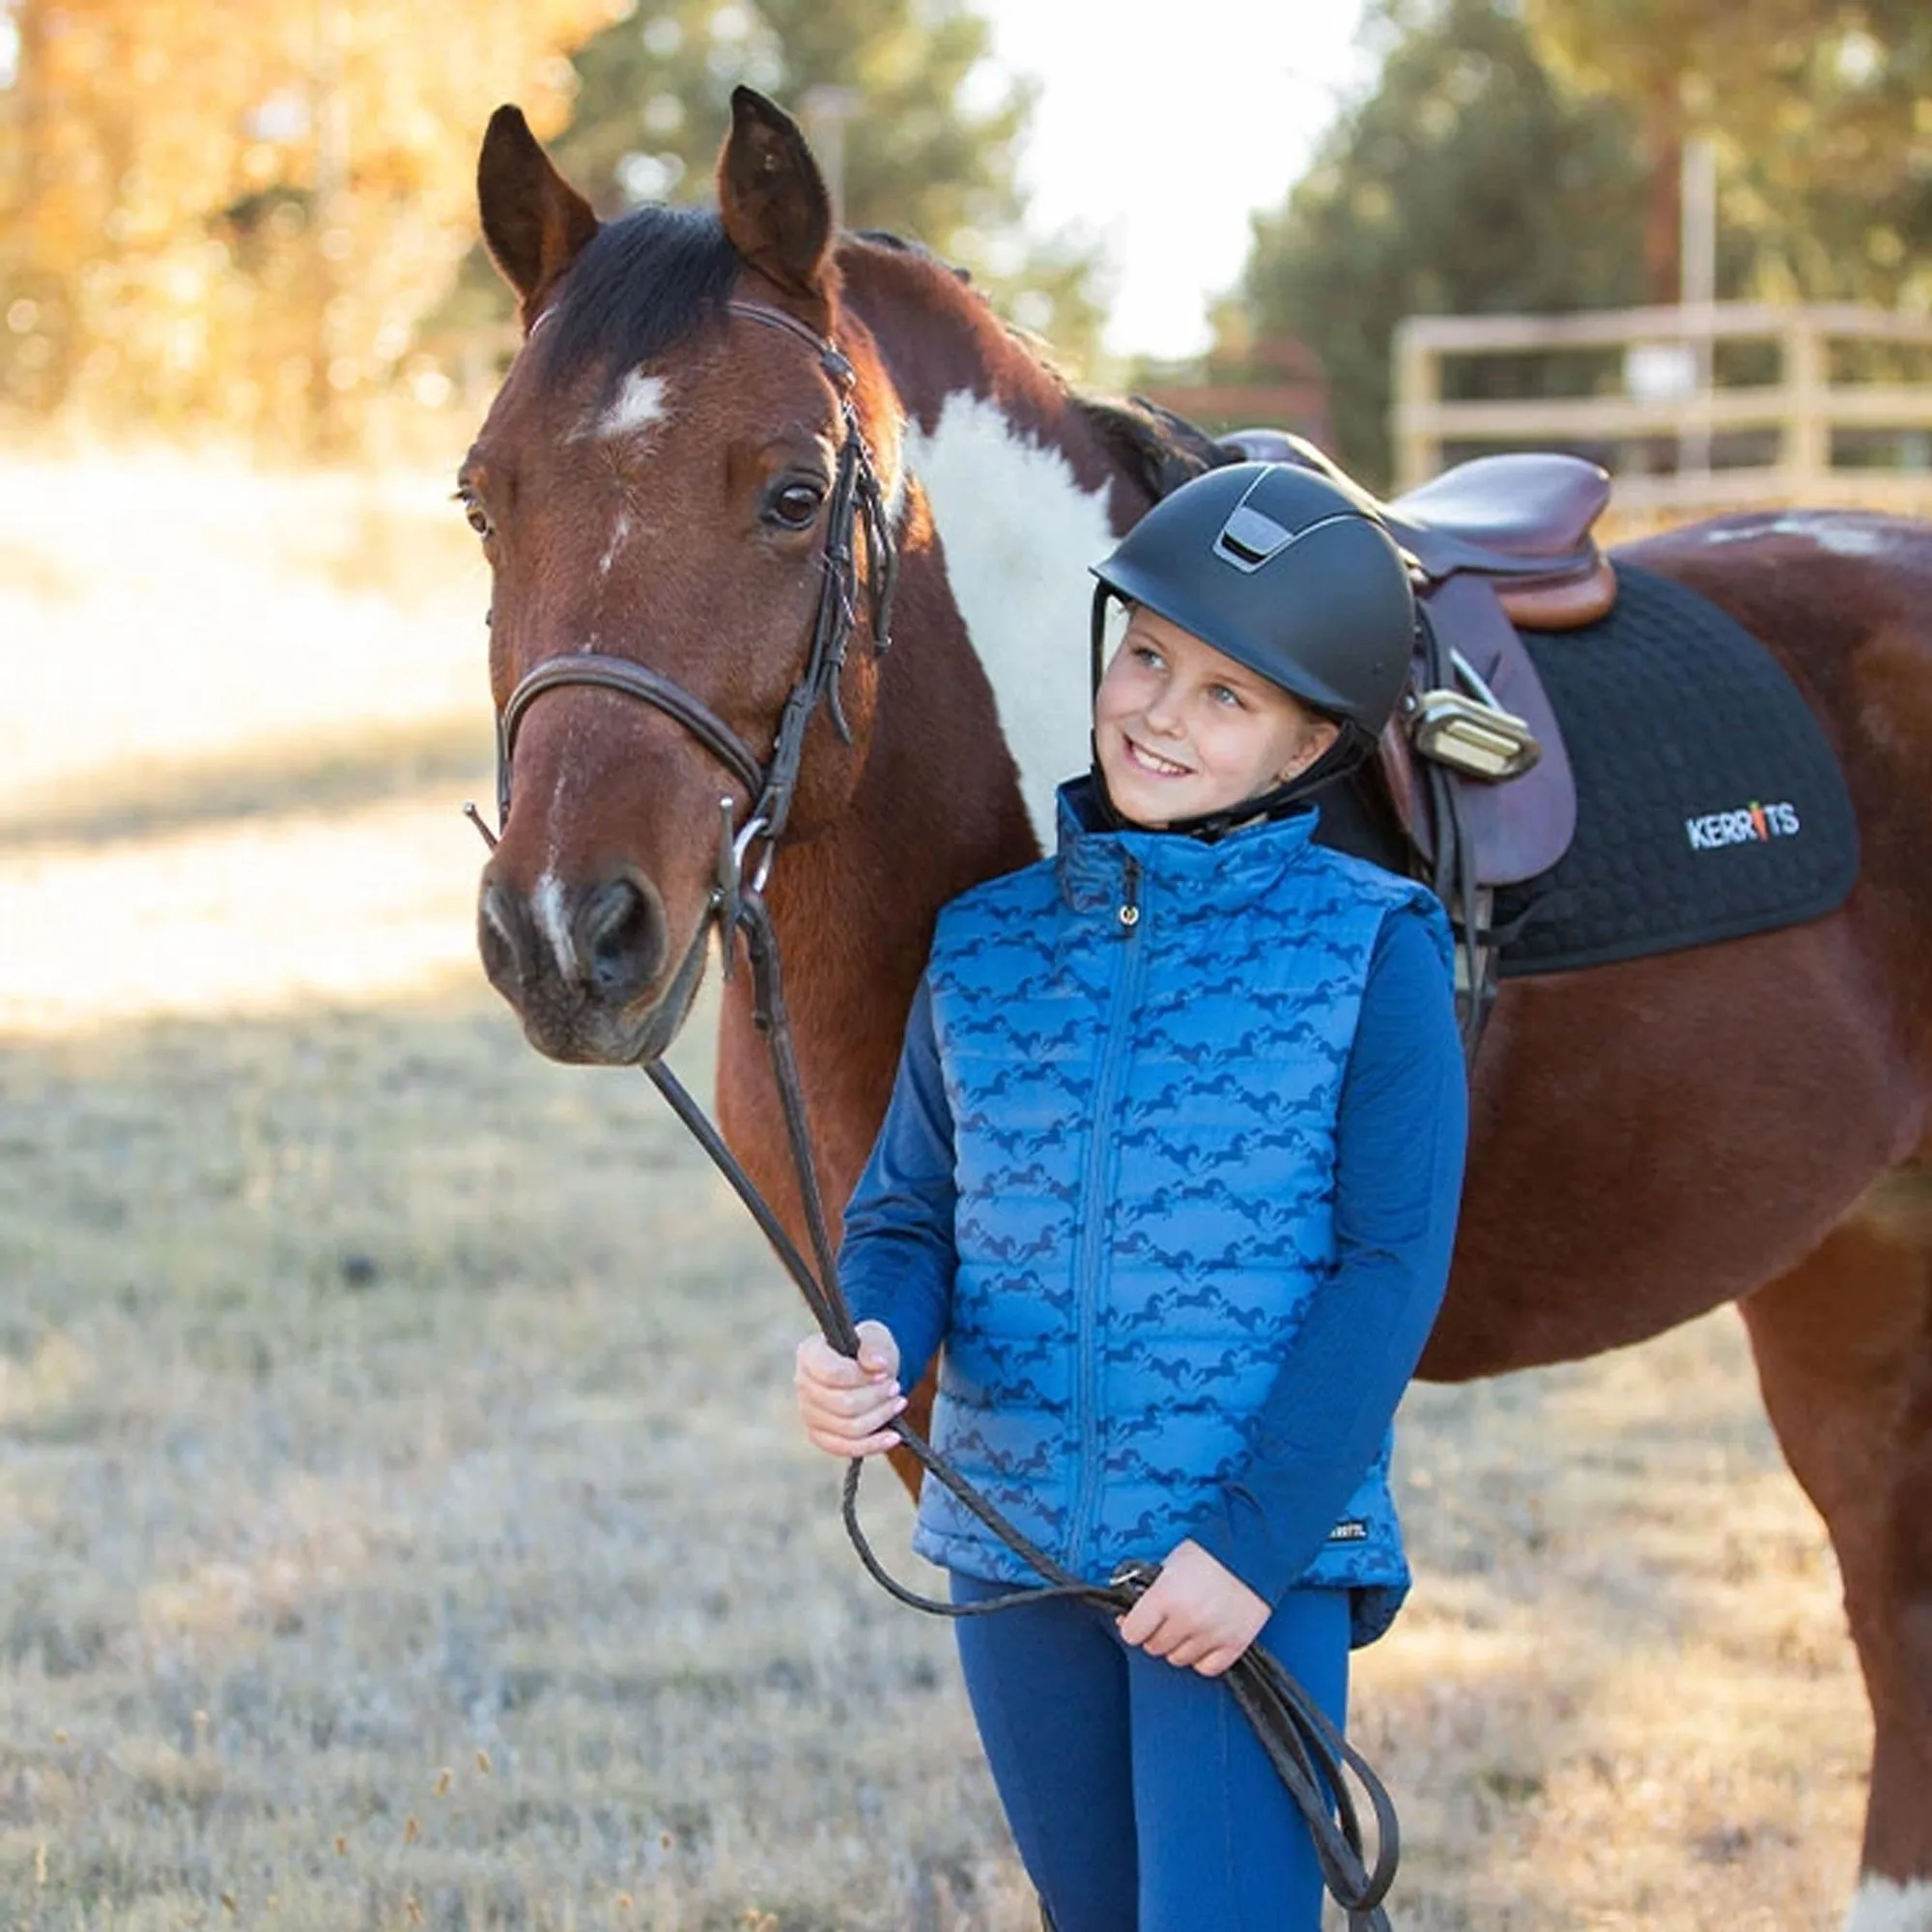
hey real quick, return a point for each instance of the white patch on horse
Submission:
(496, 919)
(1882, 1906)
(554, 922)
(895, 496)
(1842, 533)
(1019, 533)
(640, 403)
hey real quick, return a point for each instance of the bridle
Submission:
(1308, 1751)
(769, 785)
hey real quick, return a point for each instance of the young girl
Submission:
(1170, 1172)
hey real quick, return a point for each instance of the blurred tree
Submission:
(216, 209)
(896, 102)
(1467, 181)
(1822, 110)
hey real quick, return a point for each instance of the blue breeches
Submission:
(1138, 1795)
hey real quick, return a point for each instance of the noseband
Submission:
(769, 785)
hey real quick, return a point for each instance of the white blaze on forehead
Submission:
(1882, 1906)
(1019, 533)
(639, 404)
(620, 530)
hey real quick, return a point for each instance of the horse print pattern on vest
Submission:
(1144, 1041)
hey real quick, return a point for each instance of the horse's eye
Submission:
(793, 505)
(478, 517)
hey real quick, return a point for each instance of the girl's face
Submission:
(1182, 729)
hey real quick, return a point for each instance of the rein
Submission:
(1308, 1751)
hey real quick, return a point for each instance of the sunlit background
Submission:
(400, 1521)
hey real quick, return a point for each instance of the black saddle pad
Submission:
(1708, 804)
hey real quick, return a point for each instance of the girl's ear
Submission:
(1321, 735)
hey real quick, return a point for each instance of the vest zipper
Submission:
(1096, 1216)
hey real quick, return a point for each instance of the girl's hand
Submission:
(846, 1404)
(1197, 1613)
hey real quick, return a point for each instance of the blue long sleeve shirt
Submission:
(1399, 1136)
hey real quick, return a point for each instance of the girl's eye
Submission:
(793, 505)
(1221, 694)
(1146, 654)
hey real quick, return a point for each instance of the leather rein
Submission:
(1307, 1750)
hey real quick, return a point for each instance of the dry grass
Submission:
(400, 1517)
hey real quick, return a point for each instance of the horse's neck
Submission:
(987, 685)
(1023, 490)
(935, 812)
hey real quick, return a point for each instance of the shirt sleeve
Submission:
(1401, 1132)
(896, 1259)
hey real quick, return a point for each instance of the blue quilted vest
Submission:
(1142, 1041)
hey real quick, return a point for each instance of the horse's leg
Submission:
(1844, 1354)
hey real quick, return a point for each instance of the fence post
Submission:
(1807, 428)
(1418, 450)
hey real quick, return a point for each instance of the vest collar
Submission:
(1230, 871)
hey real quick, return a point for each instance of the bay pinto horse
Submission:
(1747, 1123)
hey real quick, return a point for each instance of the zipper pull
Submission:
(1130, 898)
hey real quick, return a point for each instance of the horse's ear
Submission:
(535, 222)
(772, 196)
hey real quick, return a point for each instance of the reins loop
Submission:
(1314, 1759)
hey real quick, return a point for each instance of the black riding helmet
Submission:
(1286, 573)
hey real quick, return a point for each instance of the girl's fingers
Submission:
(862, 1401)
(852, 1396)
(1188, 1649)
(1166, 1640)
(817, 1361)
(841, 1424)
(845, 1448)
(859, 1411)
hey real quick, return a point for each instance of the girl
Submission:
(1170, 1172)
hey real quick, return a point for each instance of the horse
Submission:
(1745, 1122)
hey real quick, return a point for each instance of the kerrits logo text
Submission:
(1753, 824)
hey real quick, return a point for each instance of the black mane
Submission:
(644, 282)
(885, 237)
(1159, 449)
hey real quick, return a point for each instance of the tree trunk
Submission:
(1663, 212)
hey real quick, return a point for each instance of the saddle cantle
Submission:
(1474, 763)
(1523, 519)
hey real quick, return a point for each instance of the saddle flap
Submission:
(1521, 826)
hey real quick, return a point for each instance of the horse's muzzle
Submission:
(588, 968)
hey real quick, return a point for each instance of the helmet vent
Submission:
(1248, 539)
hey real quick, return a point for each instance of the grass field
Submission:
(401, 1520)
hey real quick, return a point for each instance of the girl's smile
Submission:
(1152, 761)
(1182, 730)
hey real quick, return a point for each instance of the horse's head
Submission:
(665, 487)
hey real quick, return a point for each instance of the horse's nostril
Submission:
(496, 924)
(623, 938)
